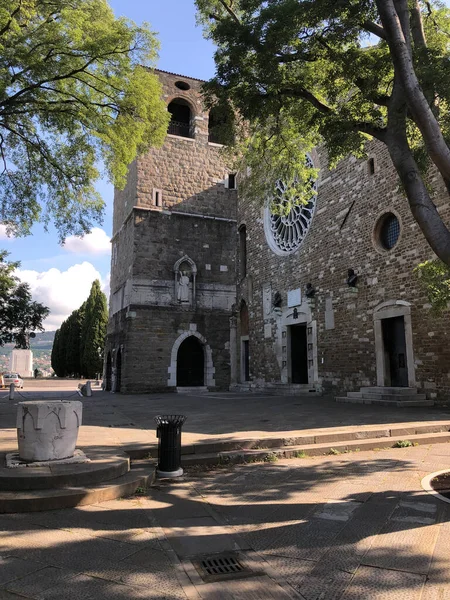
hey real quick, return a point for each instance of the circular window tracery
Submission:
(286, 232)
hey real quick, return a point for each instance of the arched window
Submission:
(181, 122)
(243, 251)
(219, 126)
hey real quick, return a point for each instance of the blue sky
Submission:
(61, 276)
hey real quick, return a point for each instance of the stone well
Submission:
(48, 430)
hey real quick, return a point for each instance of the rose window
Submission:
(285, 231)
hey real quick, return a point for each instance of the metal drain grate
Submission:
(220, 566)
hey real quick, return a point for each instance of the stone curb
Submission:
(426, 485)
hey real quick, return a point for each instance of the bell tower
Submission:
(173, 256)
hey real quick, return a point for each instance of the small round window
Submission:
(388, 229)
(182, 85)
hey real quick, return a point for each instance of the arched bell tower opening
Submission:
(191, 363)
(182, 117)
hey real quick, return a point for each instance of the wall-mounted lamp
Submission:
(309, 291)
(295, 314)
(352, 278)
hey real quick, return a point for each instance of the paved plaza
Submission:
(353, 526)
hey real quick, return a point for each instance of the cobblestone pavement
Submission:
(353, 526)
(223, 415)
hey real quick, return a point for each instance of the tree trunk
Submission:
(417, 103)
(422, 207)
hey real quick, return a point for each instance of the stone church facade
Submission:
(216, 291)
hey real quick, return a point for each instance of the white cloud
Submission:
(106, 288)
(62, 291)
(3, 233)
(96, 242)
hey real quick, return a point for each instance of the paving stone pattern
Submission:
(353, 526)
(388, 544)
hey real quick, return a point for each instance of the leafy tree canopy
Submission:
(434, 277)
(336, 72)
(75, 89)
(19, 314)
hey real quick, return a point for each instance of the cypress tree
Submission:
(74, 341)
(55, 359)
(93, 331)
(62, 345)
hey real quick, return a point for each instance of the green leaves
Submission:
(434, 277)
(76, 87)
(19, 314)
(305, 72)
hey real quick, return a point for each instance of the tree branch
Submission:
(374, 28)
(301, 93)
(421, 112)
(39, 149)
(13, 14)
(295, 56)
(417, 30)
(230, 11)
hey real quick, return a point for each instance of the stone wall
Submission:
(342, 236)
(148, 336)
(176, 207)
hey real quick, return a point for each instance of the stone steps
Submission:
(139, 475)
(102, 468)
(398, 391)
(192, 391)
(267, 454)
(386, 396)
(312, 443)
(381, 402)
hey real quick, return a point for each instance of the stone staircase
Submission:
(387, 396)
(108, 476)
(319, 442)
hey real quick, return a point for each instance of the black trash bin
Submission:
(168, 432)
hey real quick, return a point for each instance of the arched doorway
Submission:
(119, 370)
(108, 374)
(190, 363)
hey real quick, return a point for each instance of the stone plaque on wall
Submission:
(268, 331)
(294, 297)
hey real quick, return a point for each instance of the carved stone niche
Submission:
(185, 272)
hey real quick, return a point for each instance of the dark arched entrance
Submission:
(108, 373)
(119, 371)
(190, 363)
